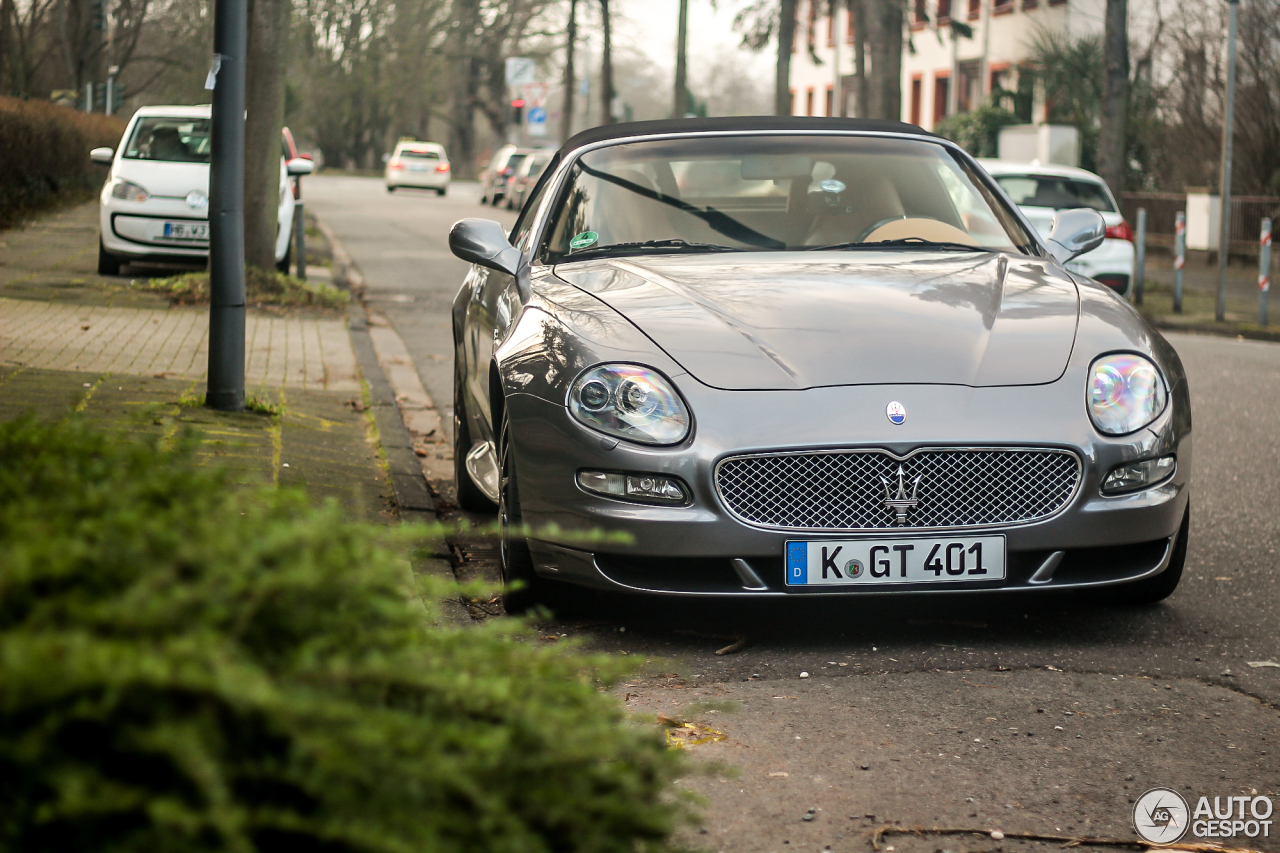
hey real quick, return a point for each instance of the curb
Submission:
(414, 503)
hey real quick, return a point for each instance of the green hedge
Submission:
(44, 155)
(190, 667)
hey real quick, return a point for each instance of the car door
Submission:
(493, 307)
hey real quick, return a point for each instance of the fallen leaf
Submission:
(779, 775)
(1258, 664)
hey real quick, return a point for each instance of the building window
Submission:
(941, 94)
(791, 110)
(944, 11)
(919, 15)
(831, 101)
(975, 9)
(1029, 4)
(917, 94)
(808, 102)
(849, 34)
(1001, 7)
(831, 29)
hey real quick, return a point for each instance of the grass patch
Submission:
(262, 289)
(251, 404)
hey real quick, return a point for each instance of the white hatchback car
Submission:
(1041, 191)
(155, 202)
(418, 164)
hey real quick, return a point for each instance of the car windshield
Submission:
(181, 140)
(1055, 192)
(410, 154)
(777, 192)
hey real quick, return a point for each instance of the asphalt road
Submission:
(1034, 714)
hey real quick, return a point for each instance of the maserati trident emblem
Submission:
(899, 501)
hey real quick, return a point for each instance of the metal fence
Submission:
(1247, 213)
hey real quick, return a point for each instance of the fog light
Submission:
(646, 488)
(1133, 476)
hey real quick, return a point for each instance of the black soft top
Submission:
(750, 123)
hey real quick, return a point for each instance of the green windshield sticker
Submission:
(583, 240)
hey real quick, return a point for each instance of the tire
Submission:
(442, 191)
(282, 265)
(108, 264)
(390, 188)
(470, 497)
(1156, 589)
(523, 590)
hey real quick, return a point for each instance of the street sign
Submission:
(536, 93)
(536, 121)
(520, 71)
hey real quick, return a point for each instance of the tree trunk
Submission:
(885, 34)
(570, 84)
(1115, 95)
(264, 117)
(606, 67)
(681, 105)
(786, 43)
(462, 125)
(858, 10)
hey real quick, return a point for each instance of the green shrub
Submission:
(262, 288)
(188, 667)
(977, 131)
(44, 155)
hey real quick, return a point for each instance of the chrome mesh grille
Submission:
(844, 490)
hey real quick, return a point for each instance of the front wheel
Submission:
(523, 588)
(282, 265)
(1156, 589)
(108, 264)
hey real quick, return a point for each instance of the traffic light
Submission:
(517, 111)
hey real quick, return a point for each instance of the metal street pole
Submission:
(300, 233)
(1140, 257)
(1264, 271)
(1228, 128)
(226, 208)
(1179, 258)
(837, 91)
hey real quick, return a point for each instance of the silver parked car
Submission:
(795, 356)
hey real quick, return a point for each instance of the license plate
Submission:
(186, 230)
(417, 167)
(880, 562)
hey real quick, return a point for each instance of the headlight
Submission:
(630, 402)
(1126, 393)
(129, 191)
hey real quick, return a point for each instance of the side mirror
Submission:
(299, 166)
(386, 157)
(1075, 232)
(484, 242)
(102, 155)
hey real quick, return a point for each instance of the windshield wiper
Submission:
(673, 246)
(901, 243)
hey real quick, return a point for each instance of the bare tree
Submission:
(265, 64)
(606, 66)
(772, 21)
(1112, 159)
(681, 101)
(858, 12)
(884, 34)
(570, 84)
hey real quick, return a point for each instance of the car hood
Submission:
(164, 179)
(782, 321)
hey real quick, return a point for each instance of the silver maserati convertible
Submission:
(796, 356)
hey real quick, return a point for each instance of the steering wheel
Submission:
(863, 236)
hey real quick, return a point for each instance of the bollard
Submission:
(1140, 257)
(1179, 259)
(300, 238)
(1264, 271)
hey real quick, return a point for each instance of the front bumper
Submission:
(133, 229)
(691, 550)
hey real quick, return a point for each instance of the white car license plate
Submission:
(878, 562)
(186, 230)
